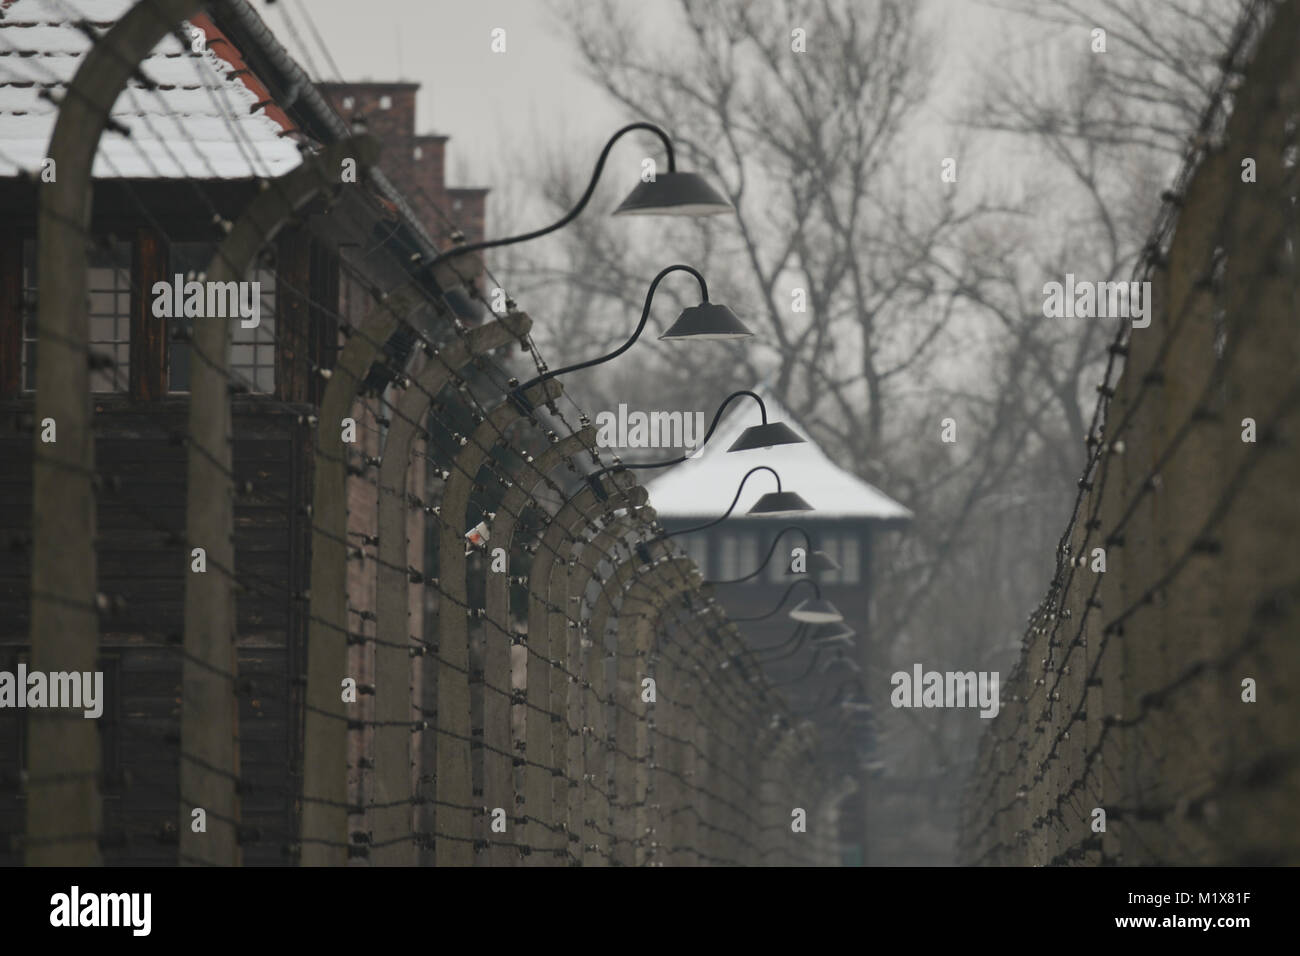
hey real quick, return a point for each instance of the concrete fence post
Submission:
(547, 605)
(569, 580)
(395, 748)
(1256, 799)
(609, 661)
(324, 771)
(209, 755)
(597, 753)
(497, 637)
(641, 607)
(683, 827)
(645, 597)
(63, 798)
(454, 782)
(454, 774)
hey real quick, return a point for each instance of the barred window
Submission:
(737, 555)
(849, 558)
(747, 557)
(779, 567)
(108, 294)
(831, 545)
(726, 557)
(252, 351)
(844, 549)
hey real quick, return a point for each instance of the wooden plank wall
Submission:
(143, 566)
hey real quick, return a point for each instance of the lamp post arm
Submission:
(770, 551)
(801, 633)
(517, 393)
(731, 508)
(572, 213)
(817, 653)
(798, 631)
(707, 435)
(780, 604)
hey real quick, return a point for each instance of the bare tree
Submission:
(921, 300)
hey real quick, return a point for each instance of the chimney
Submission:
(388, 110)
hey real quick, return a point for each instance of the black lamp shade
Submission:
(816, 563)
(707, 321)
(765, 436)
(778, 503)
(674, 194)
(820, 561)
(816, 611)
(833, 634)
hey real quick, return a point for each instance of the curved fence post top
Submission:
(274, 206)
(453, 355)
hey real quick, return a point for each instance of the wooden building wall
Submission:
(141, 565)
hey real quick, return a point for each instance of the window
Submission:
(252, 357)
(108, 724)
(831, 544)
(747, 557)
(109, 287)
(844, 549)
(726, 558)
(108, 294)
(738, 554)
(849, 558)
(778, 569)
(29, 315)
(252, 352)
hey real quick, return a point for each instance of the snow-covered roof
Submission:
(200, 123)
(703, 487)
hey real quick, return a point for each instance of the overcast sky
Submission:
(494, 102)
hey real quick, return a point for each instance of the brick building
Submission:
(416, 163)
(236, 113)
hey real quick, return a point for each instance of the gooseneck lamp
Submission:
(817, 560)
(672, 193)
(810, 611)
(797, 639)
(720, 320)
(755, 436)
(777, 502)
(823, 635)
(812, 665)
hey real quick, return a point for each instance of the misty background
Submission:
(924, 297)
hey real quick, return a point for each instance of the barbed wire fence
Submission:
(1151, 718)
(577, 698)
